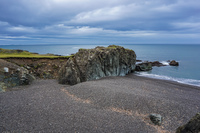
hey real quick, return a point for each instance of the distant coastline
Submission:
(186, 54)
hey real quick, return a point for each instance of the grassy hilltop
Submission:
(6, 53)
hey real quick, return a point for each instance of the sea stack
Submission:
(90, 64)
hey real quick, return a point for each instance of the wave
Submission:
(165, 63)
(193, 82)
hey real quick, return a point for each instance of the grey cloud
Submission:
(114, 19)
(151, 15)
(46, 12)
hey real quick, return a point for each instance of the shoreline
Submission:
(170, 81)
(177, 80)
(131, 75)
(187, 81)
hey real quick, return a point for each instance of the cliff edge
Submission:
(90, 64)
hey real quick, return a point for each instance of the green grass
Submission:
(5, 53)
(113, 46)
(30, 56)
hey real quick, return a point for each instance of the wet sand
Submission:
(111, 104)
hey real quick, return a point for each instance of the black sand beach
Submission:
(111, 104)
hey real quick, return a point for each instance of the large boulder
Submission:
(193, 126)
(90, 64)
(13, 75)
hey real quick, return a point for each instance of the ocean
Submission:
(188, 56)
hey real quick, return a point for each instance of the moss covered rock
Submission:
(90, 64)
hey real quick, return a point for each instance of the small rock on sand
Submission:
(156, 119)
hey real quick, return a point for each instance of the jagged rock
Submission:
(157, 63)
(90, 64)
(24, 81)
(173, 63)
(154, 63)
(39, 67)
(69, 74)
(12, 75)
(145, 66)
(193, 126)
(156, 119)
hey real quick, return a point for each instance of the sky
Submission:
(99, 22)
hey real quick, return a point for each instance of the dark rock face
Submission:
(157, 63)
(145, 66)
(12, 75)
(138, 60)
(41, 68)
(156, 119)
(193, 126)
(173, 63)
(90, 64)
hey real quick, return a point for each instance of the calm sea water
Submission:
(188, 57)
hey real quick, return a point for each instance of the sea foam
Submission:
(165, 63)
(193, 82)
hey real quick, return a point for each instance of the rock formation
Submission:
(193, 126)
(157, 63)
(145, 66)
(12, 75)
(90, 64)
(156, 119)
(39, 67)
(173, 63)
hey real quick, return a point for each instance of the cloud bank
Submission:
(99, 21)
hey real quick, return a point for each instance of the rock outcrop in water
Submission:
(193, 126)
(173, 63)
(90, 64)
(157, 63)
(145, 66)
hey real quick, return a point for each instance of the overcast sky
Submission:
(99, 22)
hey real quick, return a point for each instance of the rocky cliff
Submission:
(90, 64)
(13, 75)
(41, 68)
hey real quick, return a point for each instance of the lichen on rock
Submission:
(90, 64)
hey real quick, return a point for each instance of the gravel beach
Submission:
(111, 104)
